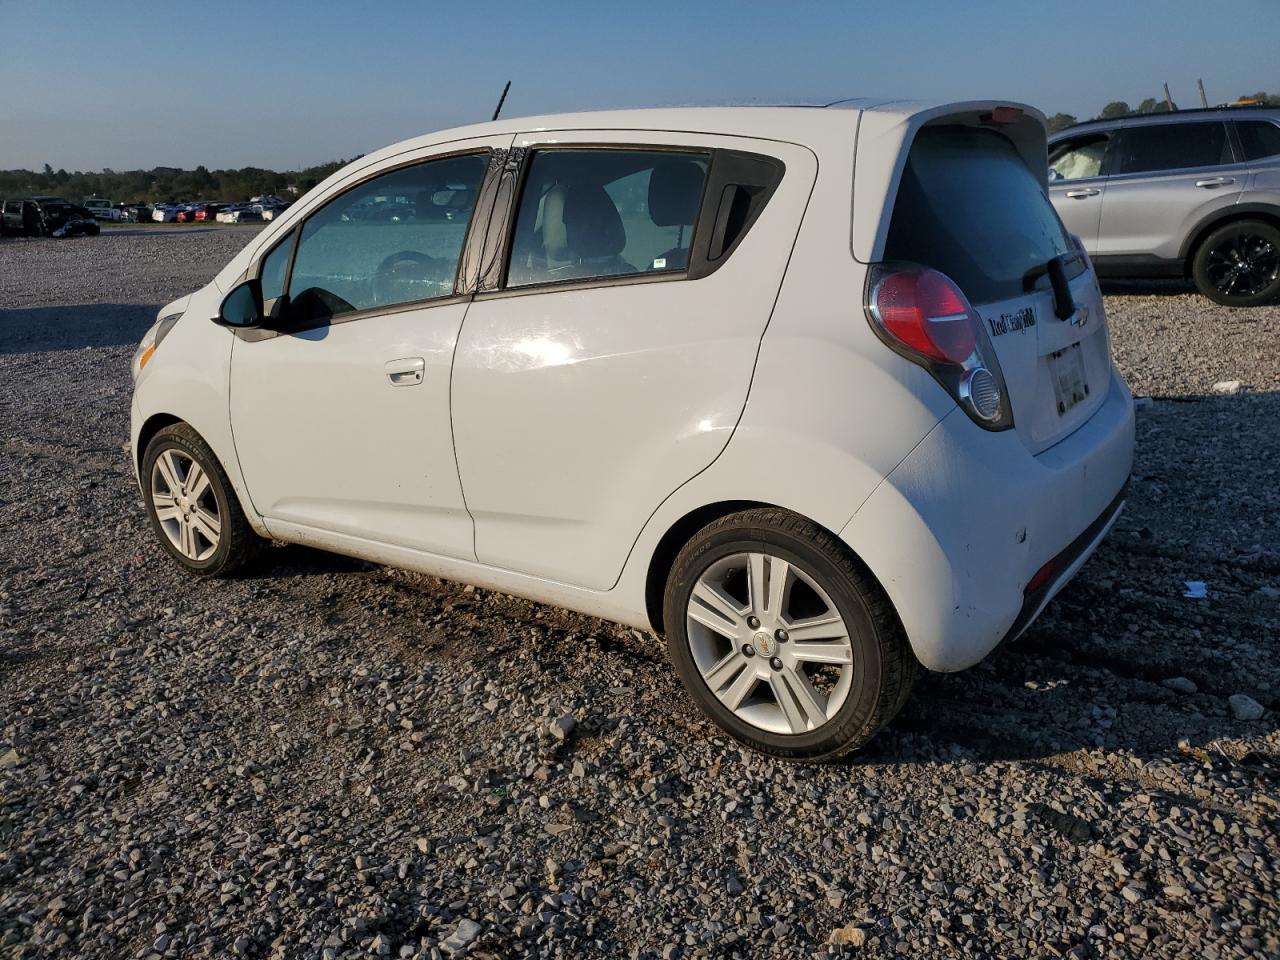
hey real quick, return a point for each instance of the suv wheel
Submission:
(782, 638)
(1239, 265)
(192, 507)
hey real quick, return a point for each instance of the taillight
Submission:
(924, 316)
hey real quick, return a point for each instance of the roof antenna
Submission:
(501, 100)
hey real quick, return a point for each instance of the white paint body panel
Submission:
(589, 422)
(578, 411)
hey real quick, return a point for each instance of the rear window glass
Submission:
(1260, 138)
(1173, 146)
(969, 207)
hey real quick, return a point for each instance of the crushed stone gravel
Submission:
(326, 758)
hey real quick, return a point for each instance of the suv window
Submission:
(969, 207)
(394, 239)
(586, 214)
(1259, 138)
(1078, 158)
(1173, 146)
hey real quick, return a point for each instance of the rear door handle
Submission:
(1082, 193)
(1210, 182)
(406, 372)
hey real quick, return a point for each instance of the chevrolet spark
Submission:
(822, 395)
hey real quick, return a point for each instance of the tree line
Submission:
(162, 184)
(1120, 108)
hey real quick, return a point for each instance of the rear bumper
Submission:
(956, 532)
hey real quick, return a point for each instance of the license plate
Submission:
(1067, 369)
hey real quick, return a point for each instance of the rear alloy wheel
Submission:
(192, 507)
(783, 638)
(1239, 265)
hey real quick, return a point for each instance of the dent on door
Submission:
(578, 411)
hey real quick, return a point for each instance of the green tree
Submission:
(1060, 121)
(1116, 108)
(1152, 105)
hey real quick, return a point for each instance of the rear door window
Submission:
(1259, 138)
(592, 214)
(1163, 147)
(969, 207)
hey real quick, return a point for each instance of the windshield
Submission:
(969, 207)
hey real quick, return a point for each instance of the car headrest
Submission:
(579, 221)
(675, 187)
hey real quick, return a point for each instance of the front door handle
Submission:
(1210, 182)
(1082, 193)
(406, 372)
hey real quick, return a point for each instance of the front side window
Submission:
(1259, 138)
(273, 271)
(1079, 158)
(588, 214)
(1173, 146)
(394, 239)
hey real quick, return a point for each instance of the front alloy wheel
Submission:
(192, 506)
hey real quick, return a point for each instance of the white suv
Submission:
(819, 394)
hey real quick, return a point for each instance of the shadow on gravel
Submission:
(45, 329)
(1117, 287)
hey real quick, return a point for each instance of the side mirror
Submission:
(242, 307)
(1054, 175)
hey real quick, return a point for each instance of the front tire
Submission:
(783, 638)
(1238, 265)
(192, 507)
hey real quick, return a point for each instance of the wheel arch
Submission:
(150, 427)
(682, 530)
(1220, 218)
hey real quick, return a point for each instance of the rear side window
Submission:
(969, 207)
(1173, 146)
(1259, 138)
(589, 214)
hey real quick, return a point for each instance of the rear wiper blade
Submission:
(1059, 280)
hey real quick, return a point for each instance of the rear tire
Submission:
(783, 638)
(1238, 265)
(193, 508)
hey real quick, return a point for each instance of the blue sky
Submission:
(86, 85)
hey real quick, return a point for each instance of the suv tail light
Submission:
(922, 315)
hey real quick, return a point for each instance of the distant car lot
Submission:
(290, 727)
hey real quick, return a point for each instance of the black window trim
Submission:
(693, 270)
(1112, 164)
(460, 292)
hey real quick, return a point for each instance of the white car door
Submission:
(613, 360)
(341, 418)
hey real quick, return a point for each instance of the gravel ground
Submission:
(325, 758)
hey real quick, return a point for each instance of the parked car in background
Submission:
(851, 408)
(165, 212)
(20, 218)
(1193, 194)
(208, 211)
(242, 214)
(102, 209)
(135, 212)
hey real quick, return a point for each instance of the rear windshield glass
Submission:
(969, 207)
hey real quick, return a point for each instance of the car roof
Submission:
(801, 123)
(1175, 116)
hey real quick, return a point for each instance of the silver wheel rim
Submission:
(184, 504)
(769, 643)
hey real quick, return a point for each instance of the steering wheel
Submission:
(409, 275)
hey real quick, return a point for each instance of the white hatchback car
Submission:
(820, 394)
